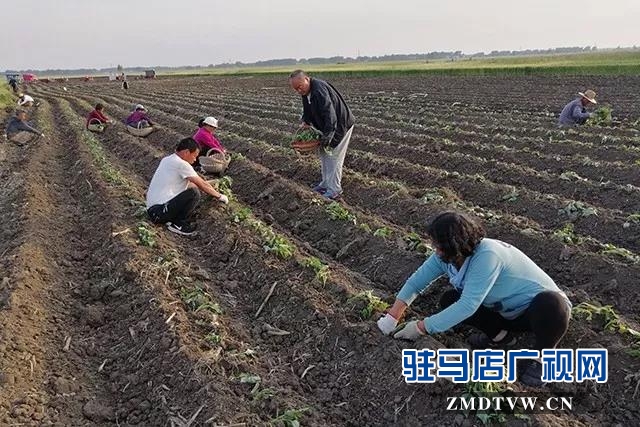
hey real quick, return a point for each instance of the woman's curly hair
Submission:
(455, 234)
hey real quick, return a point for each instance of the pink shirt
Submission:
(207, 140)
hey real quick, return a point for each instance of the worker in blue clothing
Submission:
(575, 112)
(496, 289)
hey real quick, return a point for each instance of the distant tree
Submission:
(120, 68)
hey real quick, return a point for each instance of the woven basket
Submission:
(304, 147)
(141, 132)
(215, 161)
(96, 125)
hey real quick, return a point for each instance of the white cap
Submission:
(211, 121)
(139, 107)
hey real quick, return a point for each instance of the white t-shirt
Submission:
(24, 100)
(169, 180)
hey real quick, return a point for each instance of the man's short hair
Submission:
(187, 144)
(99, 106)
(297, 73)
(20, 111)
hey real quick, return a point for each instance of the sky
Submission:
(68, 34)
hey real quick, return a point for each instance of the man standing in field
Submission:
(325, 109)
(575, 112)
(174, 192)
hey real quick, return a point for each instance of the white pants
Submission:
(332, 162)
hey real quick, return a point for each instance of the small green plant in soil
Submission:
(481, 389)
(224, 185)
(627, 255)
(601, 116)
(366, 227)
(197, 299)
(337, 212)
(383, 232)
(249, 378)
(571, 176)
(146, 236)
(511, 196)
(212, 339)
(371, 304)
(320, 269)
(241, 214)
(607, 315)
(567, 235)
(140, 208)
(279, 246)
(575, 210)
(634, 218)
(432, 196)
(290, 417)
(262, 394)
(415, 243)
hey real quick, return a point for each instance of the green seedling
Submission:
(634, 218)
(482, 389)
(262, 394)
(383, 232)
(415, 243)
(146, 236)
(627, 255)
(290, 417)
(433, 196)
(575, 210)
(197, 299)
(248, 378)
(279, 246)
(567, 235)
(634, 350)
(372, 304)
(366, 227)
(337, 212)
(571, 176)
(601, 116)
(213, 339)
(321, 270)
(610, 319)
(224, 185)
(237, 156)
(241, 214)
(511, 196)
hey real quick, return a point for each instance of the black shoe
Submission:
(532, 375)
(482, 341)
(184, 229)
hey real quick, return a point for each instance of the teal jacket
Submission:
(497, 275)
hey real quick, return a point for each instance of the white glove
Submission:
(224, 199)
(387, 324)
(409, 332)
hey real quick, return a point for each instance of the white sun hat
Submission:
(211, 121)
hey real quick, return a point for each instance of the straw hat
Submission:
(589, 95)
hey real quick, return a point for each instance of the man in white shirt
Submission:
(25, 100)
(174, 191)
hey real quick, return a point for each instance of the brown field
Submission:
(107, 320)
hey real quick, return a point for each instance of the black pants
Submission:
(177, 210)
(547, 317)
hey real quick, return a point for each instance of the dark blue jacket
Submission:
(325, 109)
